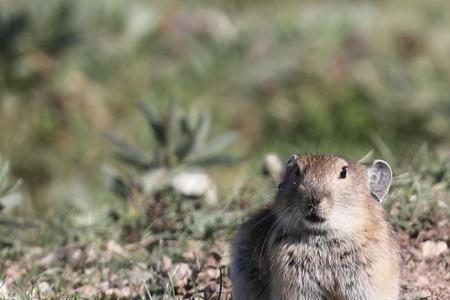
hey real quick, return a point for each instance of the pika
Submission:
(325, 236)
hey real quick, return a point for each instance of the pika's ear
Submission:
(290, 170)
(291, 165)
(380, 178)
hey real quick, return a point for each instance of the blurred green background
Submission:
(290, 77)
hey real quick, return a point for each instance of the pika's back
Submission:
(324, 236)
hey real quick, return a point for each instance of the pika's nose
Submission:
(310, 206)
(313, 201)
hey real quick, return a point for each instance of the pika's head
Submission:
(330, 192)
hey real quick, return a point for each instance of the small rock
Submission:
(193, 184)
(180, 274)
(189, 256)
(138, 275)
(14, 271)
(87, 291)
(115, 248)
(152, 180)
(48, 259)
(432, 249)
(165, 264)
(91, 256)
(422, 295)
(125, 292)
(103, 286)
(423, 281)
(193, 251)
(209, 274)
(43, 287)
(76, 258)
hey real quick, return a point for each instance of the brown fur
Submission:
(347, 251)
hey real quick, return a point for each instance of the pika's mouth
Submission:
(314, 214)
(314, 218)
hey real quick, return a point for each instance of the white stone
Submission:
(180, 273)
(43, 286)
(153, 180)
(192, 183)
(432, 249)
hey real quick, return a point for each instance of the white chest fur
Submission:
(319, 267)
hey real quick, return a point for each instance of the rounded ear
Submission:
(380, 178)
(291, 168)
(291, 165)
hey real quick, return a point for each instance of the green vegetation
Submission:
(8, 197)
(180, 142)
(282, 77)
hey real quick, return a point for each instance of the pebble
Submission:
(432, 249)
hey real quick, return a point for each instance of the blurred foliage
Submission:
(180, 142)
(290, 77)
(179, 139)
(420, 196)
(34, 113)
(8, 195)
(161, 183)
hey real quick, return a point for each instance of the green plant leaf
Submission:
(186, 143)
(5, 186)
(158, 129)
(184, 147)
(213, 160)
(219, 143)
(4, 170)
(202, 130)
(173, 132)
(366, 157)
(10, 188)
(115, 182)
(128, 153)
(10, 201)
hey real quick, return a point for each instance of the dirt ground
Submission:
(426, 263)
(425, 266)
(113, 271)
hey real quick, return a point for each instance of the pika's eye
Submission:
(343, 173)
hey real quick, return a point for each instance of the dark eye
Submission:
(343, 173)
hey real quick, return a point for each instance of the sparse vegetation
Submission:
(288, 77)
(9, 196)
(180, 143)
